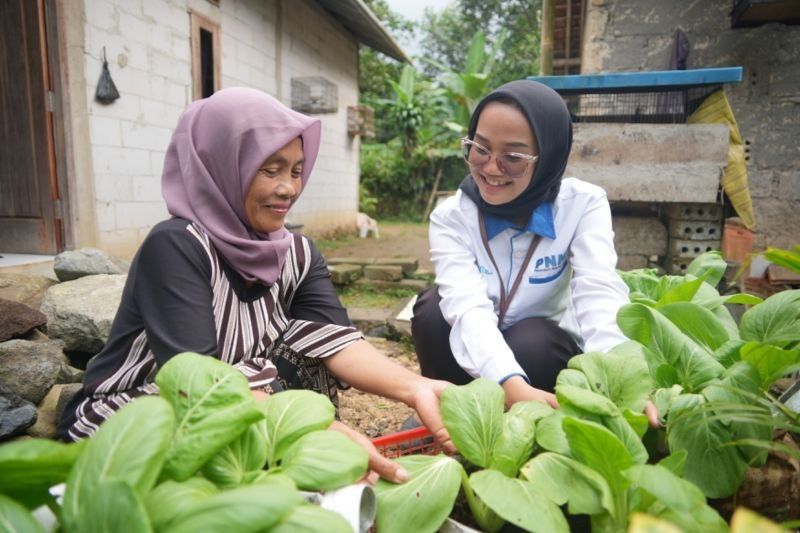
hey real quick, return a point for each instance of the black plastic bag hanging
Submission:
(106, 90)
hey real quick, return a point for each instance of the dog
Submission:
(365, 225)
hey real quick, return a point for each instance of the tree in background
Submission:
(445, 36)
(469, 48)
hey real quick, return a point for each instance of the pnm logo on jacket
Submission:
(548, 268)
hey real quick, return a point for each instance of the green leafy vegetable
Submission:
(424, 501)
(116, 507)
(172, 498)
(310, 519)
(324, 460)
(290, 415)
(15, 518)
(776, 321)
(213, 406)
(473, 415)
(237, 460)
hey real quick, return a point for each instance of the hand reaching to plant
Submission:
(518, 390)
(425, 402)
(652, 415)
(379, 466)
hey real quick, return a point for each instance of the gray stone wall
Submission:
(633, 35)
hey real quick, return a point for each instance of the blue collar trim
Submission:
(541, 223)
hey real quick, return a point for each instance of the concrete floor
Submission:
(41, 265)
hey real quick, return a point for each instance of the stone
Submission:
(383, 272)
(411, 284)
(361, 261)
(17, 319)
(16, 414)
(68, 391)
(408, 264)
(24, 288)
(74, 264)
(368, 318)
(80, 312)
(344, 274)
(46, 426)
(29, 369)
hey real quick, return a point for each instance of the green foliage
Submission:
(789, 259)
(124, 477)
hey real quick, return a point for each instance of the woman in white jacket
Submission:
(525, 260)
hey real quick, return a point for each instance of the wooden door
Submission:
(29, 222)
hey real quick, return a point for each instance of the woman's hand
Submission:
(378, 464)
(518, 390)
(425, 401)
(652, 415)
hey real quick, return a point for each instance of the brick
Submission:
(105, 131)
(383, 272)
(344, 274)
(408, 264)
(367, 318)
(350, 260)
(137, 135)
(643, 236)
(121, 161)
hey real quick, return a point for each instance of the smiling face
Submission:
(274, 188)
(502, 128)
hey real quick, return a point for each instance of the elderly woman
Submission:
(223, 277)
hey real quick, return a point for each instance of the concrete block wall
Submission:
(634, 35)
(147, 44)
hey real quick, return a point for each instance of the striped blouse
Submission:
(181, 295)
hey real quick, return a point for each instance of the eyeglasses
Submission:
(511, 164)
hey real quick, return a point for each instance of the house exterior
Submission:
(75, 172)
(761, 36)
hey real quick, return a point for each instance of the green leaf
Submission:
(620, 377)
(725, 318)
(620, 427)
(681, 292)
(771, 362)
(290, 415)
(310, 518)
(213, 406)
(565, 480)
(733, 398)
(684, 503)
(743, 298)
(601, 450)
(119, 452)
(717, 469)
(115, 507)
(550, 433)
(247, 453)
(519, 502)
(475, 53)
(662, 398)
(585, 400)
(695, 366)
(15, 518)
(643, 280)
(473, 415)
(698, 323)
(576, 378)
(250, 508)
(637, 421)
(515, 444)
(789, 259)
(776, 321)
(324, 460)
(172, 498)
(30, 467)
(424, 501)
(675, 462)
(711, 265)
(728, 353)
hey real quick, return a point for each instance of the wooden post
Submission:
(546, 51)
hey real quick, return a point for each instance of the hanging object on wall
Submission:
(106, 90)
(314, 94)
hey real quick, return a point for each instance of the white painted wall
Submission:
(148, 47)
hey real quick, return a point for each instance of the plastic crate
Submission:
(417, 441)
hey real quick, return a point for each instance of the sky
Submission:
(413, 9)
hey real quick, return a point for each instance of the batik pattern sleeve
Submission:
(319, 326)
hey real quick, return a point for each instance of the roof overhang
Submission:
(359, 20)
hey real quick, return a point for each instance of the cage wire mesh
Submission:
(664, 106)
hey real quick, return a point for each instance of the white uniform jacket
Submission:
(571, 278)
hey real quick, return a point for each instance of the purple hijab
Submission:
(216, 149)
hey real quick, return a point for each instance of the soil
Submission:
(373, 415)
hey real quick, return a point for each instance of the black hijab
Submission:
(550, 121)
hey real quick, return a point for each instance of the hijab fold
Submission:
(215, 151)
(550, 121)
